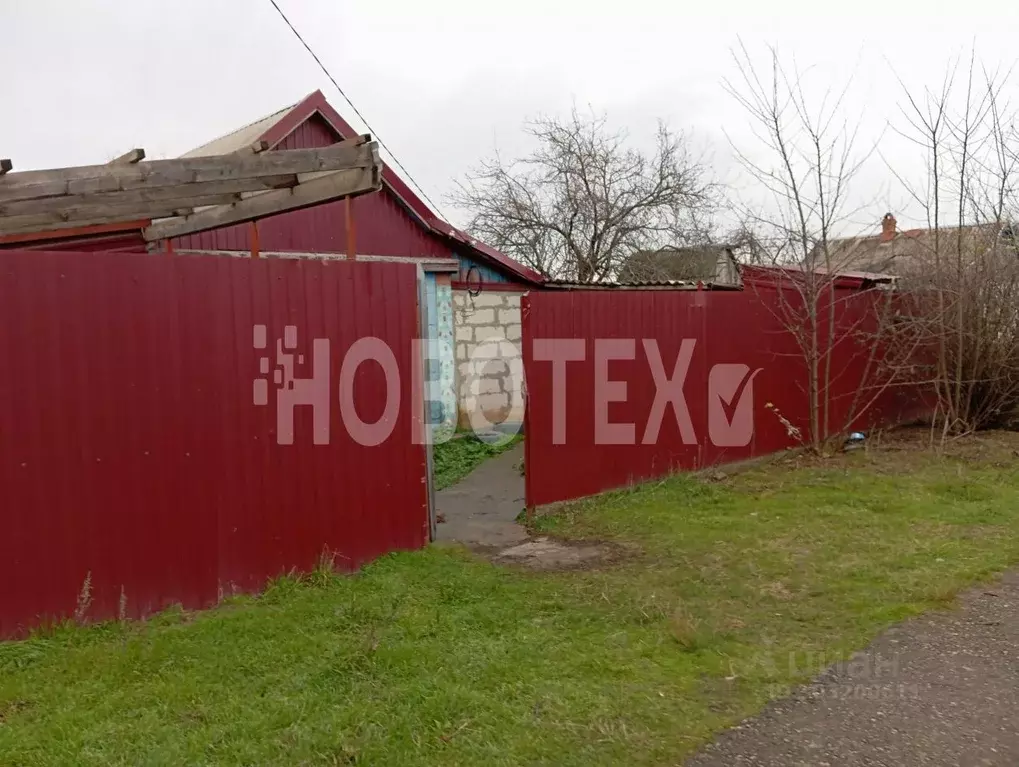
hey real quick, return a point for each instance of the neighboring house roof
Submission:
(638, 285)
(709, 264)
(275, 127)
(910, 252)
(755, 274)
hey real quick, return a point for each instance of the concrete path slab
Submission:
(941, 689)
(481, 509)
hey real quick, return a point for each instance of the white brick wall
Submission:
(486, 299)
(481, 317)
(487, 330)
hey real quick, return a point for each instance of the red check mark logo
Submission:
(729, 408)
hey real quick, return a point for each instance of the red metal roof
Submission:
(848, 279)
(120, 236)
(384, 227)
(290, 119)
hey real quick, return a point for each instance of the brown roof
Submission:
(909, 252)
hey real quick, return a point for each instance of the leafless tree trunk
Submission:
(811, 161)
(965, 286)
(584, 201)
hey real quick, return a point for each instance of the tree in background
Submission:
(804, 163)
(584, 200)
(950, 329)
(962, 272)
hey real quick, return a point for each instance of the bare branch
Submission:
(583, 202)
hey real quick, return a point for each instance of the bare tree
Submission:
(963, 274)
(579, 205)
(755, 245)
(809, 162)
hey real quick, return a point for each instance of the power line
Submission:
(351, 103)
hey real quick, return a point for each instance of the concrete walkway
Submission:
(942, 689)
(481, 509)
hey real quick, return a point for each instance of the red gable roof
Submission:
(290, 119)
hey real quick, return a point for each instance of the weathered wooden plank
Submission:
(159, 173)
(5, 166)
(343, 183)
(92, 215)
(129, 158)
(34, 190)
(364, 138)
(256, 147)
(180, 194)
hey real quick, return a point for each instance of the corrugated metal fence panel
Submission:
(132, 457)
(733, 334)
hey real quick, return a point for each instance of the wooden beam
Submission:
(343, 183)
(129, 158)
(364, 138)
(181, 194)
(5, 166)
(256, 147)
(94, 179)
(91, 215)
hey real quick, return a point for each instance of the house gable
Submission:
(383, 227)
(393, 222)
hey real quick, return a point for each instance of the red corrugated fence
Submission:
(137, 470)
(743, 392)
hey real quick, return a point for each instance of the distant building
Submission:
(713, 265)
(915, 252)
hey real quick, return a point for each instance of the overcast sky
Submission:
(444, 82)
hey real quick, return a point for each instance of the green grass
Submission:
(455, 459)
(729, 591)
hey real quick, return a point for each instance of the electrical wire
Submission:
(353, 107)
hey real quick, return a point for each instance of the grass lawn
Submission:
(730, 589)
(455, 459)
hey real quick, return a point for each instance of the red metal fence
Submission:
(137, 470)
(744, 392)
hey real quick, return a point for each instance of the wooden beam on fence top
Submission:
(93, 215)
(364, 138)
(140, 197)
(188, 194)
(5, 166)
(344, 183)
(93, 179)
(129, 158)
(255, 148)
